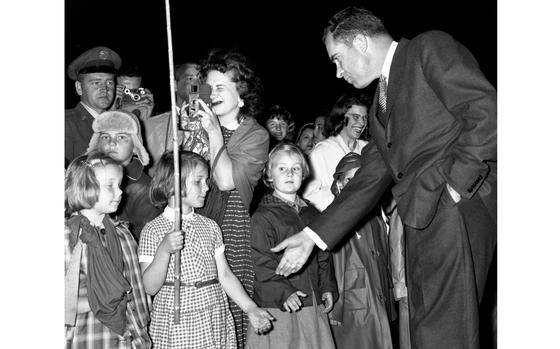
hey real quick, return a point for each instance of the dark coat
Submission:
(136, 207)
(440, 129)
(273, 221)
(77, 132)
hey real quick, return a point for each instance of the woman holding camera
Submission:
(238, 148)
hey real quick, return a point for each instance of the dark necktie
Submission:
(383, 93)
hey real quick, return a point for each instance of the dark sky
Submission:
(281, 38)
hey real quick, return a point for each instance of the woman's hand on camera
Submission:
(207, 118)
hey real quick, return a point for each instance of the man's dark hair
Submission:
(131, 70)
(346, 24)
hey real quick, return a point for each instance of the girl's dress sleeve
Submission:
(149, 242)
(219, 246)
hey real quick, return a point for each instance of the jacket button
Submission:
(389, 145)
(400, 175)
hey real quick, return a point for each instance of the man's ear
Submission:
(361, 43)
(78, 86)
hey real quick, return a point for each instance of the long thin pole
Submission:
(177, 183)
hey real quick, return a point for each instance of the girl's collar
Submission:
(169, 213)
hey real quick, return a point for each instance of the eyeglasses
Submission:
(356, 117)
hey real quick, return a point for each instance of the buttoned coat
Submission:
(439, 129)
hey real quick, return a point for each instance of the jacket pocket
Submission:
(355, 292)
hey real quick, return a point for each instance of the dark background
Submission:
(282, 40)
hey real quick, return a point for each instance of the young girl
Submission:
(294, 300)
(205, 321)
(106, 305)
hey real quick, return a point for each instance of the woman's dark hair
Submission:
(337, 119)
(162, 186)
(246, 81)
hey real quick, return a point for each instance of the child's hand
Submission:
(260, 319)
(172, 241)
(327, 299)
(293, 303)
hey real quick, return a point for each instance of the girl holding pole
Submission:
(205, 320)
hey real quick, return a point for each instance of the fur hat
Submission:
(121, 121)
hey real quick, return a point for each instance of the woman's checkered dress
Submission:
(206, 321)
(237, 238)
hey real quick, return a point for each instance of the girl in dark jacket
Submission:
(295, 301)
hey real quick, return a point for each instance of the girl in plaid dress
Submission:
(105, 302)
(205, 320)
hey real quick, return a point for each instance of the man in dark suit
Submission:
(433, 124)
(93, 73)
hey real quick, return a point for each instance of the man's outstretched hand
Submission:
(297, 247)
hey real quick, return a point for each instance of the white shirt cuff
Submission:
(316, 239)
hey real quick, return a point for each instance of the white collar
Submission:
(90, 110)
(232, 126)
(169, 213)
(388, 60)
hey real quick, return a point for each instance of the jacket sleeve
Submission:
(355, 200)
(272, 286)
(453, 73)
(327, 279)
(339, 262)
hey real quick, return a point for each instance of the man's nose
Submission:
(339, 71)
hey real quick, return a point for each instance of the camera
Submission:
(130, 99)
(134, 94)
(188, 121)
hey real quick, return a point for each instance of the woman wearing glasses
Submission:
(345, 125)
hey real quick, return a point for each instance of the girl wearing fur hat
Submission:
(118, 135)
(105, 302)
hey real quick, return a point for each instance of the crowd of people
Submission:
(373, 226)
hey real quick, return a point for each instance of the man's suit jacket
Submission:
(440, 128)
(77, 132)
